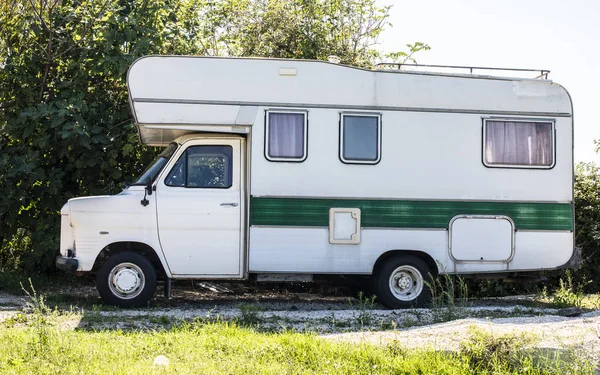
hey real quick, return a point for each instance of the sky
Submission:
(557, 35)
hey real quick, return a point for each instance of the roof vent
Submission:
(287, 71)
(333, 59)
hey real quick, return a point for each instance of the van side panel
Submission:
(431, 170)
(306, 250)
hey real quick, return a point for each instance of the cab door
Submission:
(199, 209)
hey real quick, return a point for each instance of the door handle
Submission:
(232, 204)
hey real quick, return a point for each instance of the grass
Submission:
(39, 345)
(226, 348)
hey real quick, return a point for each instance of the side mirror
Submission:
(149, 186)
(147, 191)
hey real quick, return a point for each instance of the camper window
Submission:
(360, 138)
(518, 143)
(206, 167)
(285, 136)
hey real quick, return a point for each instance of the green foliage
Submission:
(402, 57)
(567, 294)
(12, 249)
(304, 29)
(587, 223)
(65, 125)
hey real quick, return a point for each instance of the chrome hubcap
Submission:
(126, 280)
(406, 283)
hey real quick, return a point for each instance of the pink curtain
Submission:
(518, 143)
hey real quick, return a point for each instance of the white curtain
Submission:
(286, 135)
(518, 143)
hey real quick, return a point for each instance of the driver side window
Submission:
(207, 167)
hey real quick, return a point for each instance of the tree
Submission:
(65, 125)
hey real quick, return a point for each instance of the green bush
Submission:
(587, 224)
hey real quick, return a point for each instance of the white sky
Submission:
(562, 36)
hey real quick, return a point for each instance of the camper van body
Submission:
(291, 168)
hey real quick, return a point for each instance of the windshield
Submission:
(157, 165)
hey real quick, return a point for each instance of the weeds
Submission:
(365, 309)
(41, 320)
(509, 353)
(386, 325)
(486, 352)
(567, 295)
(449, 297)
(336, 323)
(250, 314)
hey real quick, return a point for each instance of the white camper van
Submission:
(290, 169)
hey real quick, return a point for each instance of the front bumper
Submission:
(67, 264)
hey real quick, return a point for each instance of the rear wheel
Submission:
(126, 279)
(401, 282)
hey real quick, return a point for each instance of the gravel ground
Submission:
(331, 315)
(550, 331)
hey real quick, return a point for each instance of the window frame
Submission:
(184, 154)
(552, 122)
(341, 137)
(164, 154)
(270, 158)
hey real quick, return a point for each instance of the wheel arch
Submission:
(136, 247)
(428, 259)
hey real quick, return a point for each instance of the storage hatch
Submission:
(481, 239)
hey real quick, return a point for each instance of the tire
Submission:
(401, 282)
(126, 279)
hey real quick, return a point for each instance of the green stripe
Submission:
(311, 212)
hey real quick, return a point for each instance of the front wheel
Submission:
(401, 282)
(126, 279)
